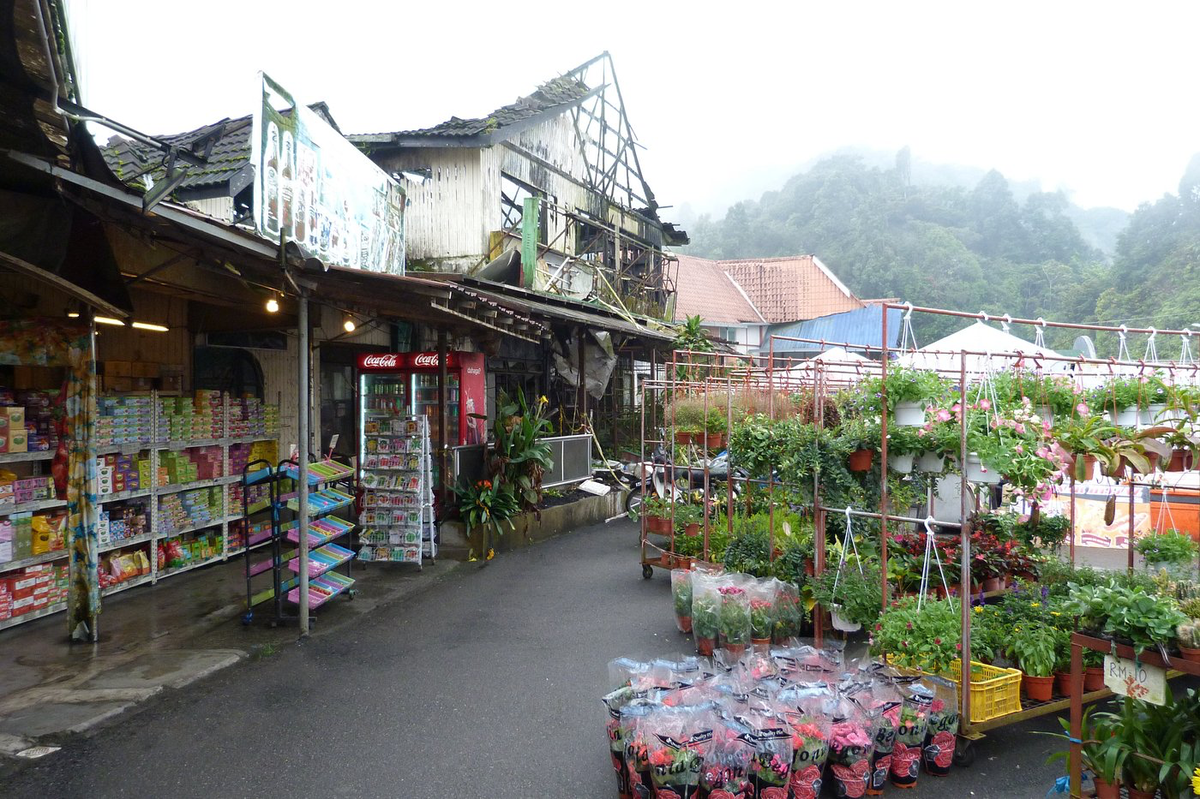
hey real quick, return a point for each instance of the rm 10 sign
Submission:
(1137, 680)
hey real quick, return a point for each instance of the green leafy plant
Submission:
(520, 456)
(1119, 394)
(1169, 547)
(706, 614)
(762, 618)
(682, 597)
(1033, 650)
(734, 620)
(859, 596)
(1104, 752)
(1145, 620)
(488, 506)
(926, 639)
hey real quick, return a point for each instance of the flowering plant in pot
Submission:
(860, 437)
(789, 612)
(1168, 549)
(688, 518)
(928, 639)
(857, 598)
(1033, 650)
(908, 392)
(658, 514)
(734, 619)
(904, 444)
(706, 612)
(761, 620)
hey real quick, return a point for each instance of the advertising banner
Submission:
(314, 187)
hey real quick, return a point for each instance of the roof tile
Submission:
(783, 289)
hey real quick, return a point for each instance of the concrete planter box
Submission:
(529, 529)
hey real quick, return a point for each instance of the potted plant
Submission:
(688, 518)
(1120, 399)
(1188, 634)
(687, 416)
(861, 438)
(715, 428)
(706, 612)
(681, 597)
(1082, 435)
(658, 515)
(926, 640)
(789, 613)
(1183, 443)
(1128, 615)
(1171, 550)
(734, 620)
(903, 446)
(1032, 649)
(1093, 671)
(908, 391)
(857, 600)
(1104, 752)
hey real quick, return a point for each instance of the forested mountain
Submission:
(974, 247)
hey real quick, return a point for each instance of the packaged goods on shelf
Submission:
(32, 589)
(124, 420)
(182, 552)
(122, 567)
(188, 509)
(257, 497)
(191, 464)
(29, 420)
(19, 490)
(117, 472)
(119, 523)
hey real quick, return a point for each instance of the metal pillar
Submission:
(305, 403)
(442, 380)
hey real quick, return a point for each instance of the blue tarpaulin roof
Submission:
(862, 326)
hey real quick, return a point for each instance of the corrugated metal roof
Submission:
(862, 326)
(703, 289)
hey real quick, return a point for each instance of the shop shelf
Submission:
(322, 560)
(117, 496)
(127, 542)
(191, 443)
(37, 614)
(250, 439)
(189, 567)
(126, 585)
(36, 505)
(125, 448)
(321, 472)
(175, 488)
(334, 583)
(320, 531)
(324, 502)
(195, 527)
(257, 476)
(46, 557)
(18, 457)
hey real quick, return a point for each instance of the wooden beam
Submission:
(49, 278)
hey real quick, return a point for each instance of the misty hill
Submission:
(952, 240)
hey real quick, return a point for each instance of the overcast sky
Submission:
(1096, 98)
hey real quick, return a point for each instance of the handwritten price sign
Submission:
(1137, 680)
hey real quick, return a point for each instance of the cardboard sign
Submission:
(1136, 680)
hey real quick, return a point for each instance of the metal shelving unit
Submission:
(152, 495)
(396, 475)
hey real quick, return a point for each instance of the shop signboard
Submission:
(1125, 677)
(314, 187)
(408, 361)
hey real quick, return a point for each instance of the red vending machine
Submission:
(405, 384)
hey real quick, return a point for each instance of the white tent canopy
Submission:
(945, 355)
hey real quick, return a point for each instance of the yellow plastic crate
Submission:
(995, 691)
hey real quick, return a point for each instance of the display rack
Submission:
(330, 491)
(153, 446)
(396, 476)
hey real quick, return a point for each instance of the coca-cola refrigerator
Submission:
(403, 384)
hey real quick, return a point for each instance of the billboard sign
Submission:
(314, 187)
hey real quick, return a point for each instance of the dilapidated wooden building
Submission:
(556, 171)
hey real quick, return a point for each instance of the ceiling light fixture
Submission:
(108, 320)
(349, 325)
(148, 326)
(272, 305)
(72, 314)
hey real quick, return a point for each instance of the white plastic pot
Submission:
(1126, 418)
(840, 622)
(901, 464)
(1158, 414)
(931, 463)
(909, 414)
(978, 473)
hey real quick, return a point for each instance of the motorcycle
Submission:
(659, 477)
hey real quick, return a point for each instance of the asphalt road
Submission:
(487, 684)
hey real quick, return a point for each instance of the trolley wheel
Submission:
(633, 500)
(964, 753)
(247, 618)
(647, 571)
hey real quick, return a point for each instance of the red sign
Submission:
(400, 361)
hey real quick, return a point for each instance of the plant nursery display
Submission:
(773, 724)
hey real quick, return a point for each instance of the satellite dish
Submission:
(1083, 346)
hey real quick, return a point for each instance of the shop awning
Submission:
(557, 309)
(15, 264)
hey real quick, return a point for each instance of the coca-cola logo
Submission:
(426, 359)
(380, 361)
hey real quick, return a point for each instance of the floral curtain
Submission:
(51, 342)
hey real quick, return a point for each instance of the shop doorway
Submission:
(339, 398)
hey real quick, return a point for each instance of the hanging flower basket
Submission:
(909, 414)
(901, 464)
(861, 460)
(1126, 418)
(977, 472)
(931, 463)
(840, 622)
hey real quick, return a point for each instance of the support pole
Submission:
(1131, 532)
(1076, 761)
(581, 402)
(443, 440)
(965, 544)
(883, 457)
(302, 434)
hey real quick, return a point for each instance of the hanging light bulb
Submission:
(272, 305)
(349, 325)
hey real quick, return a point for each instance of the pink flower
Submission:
(1020, 428)
(943, 415)
(1045, 427)
(985, 404)
(1082, 409)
